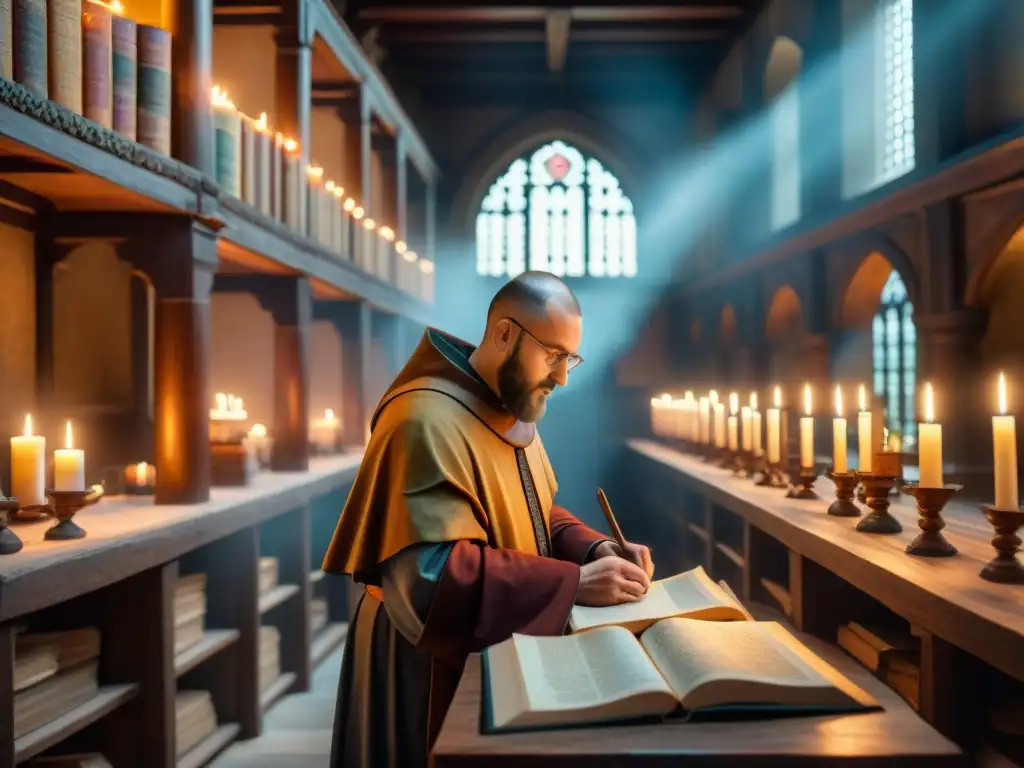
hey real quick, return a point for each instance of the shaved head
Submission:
(532, 339)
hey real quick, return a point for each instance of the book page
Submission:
(577, 671)
(691, 594)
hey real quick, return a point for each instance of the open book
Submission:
(678, 665)
(692, 595)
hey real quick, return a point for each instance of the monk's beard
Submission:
(519, 396)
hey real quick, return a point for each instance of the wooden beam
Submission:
(557, 24)
(506, 14)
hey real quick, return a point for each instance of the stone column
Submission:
(293, 94)
(181, 258)
(192, 84)
(353, 319)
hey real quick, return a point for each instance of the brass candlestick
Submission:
(877, 488)
(801, 483)
(930, 502)
(63, 505)
(9, 541)
(844, 506)
(1004, 568)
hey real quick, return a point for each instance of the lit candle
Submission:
(324, 433)
(746, 420)
(385, 262)
(807, 431)
(1004, 444)
(334, 215)
(755, 425)
(314, 203)
(865, 449)
(369, 238)
(704, 420)
(263, 154)
(733, 426)
(226, 418)
(260, 443)
(293, 182)
(141, 474)
(28, 467)
(718, 410)
(68, 465)
(929, 444)
(839, 465)
(772, 427)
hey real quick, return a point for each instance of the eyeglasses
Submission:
(555, 356)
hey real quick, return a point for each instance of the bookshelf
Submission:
(127, 580)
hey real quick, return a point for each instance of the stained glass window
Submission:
(786, 158)
(895, 359)
(557, 210)
(897, 43)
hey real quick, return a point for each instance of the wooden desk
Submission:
(896, 736)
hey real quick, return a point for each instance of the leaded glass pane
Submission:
(897, 95)
(894, 340)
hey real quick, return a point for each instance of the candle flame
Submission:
(777, 397)
(426, 267)
(807, 399)
(315, 173)
(258, 430)
(114, 7)
(117, 7)
(261, 123)
(358, 212)
(220, 98)
(1002, 394)
(387, 233)
(329, 414)
(929, 403)
(28, 425)
(734, 403)
(291, 146)
(339, 192)
(221, 400)
(839, 401)
(370, 224)
(141, 471)
(862, 398)
(753, 401)
(68, 441)
(401, 247)
(329, 186)
(238, 405)
(349, 204)
(409, 256)
(713, 397)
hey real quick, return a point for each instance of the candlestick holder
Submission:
(801, 482)
(738, 463)
(930, 502)
(9, 541)
(1004, 568)
(876, 490)
(761, 471)
(844, 505)
(64, 505)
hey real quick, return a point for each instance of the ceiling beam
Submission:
(556, 31)
(500, 13)
(513, 36)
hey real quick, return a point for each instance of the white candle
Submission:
(262, 173)
(746, 422)
(142, 470)
(1004, 445)
(865, 449)
(704, 420)
(68, 465)
(839, 465)
(293, 187)
(719, 409)
(733, 421)
(28, 467)
(772, 428)
(929, 444)
(314, 204)
(807, 431)
(260, 443)
(324, 432)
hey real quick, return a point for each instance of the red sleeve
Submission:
(570, 539)
(486, 594)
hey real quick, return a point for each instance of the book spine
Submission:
(64, 52)
(154, 95)
(97, 32)
(30, 45)
(6, 39)
(124, 67)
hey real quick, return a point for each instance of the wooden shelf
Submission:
(277, 689)
(731, 553)
(274, 597)
(106, 700)
(316, 576)
(329, 638)
(697, 530)
(203, 752)
(214, 641)
(780, 594)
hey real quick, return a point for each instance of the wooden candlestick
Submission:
(930, 502)
(876, 489)
(844, 505)
(9, 541)
(63, 505)
(1004, 568)
(801, 482)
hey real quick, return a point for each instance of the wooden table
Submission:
(896, 736)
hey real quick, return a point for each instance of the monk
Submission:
(451, 525)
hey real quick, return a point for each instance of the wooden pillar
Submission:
(353, 319)
(293, 95)
(180, 257)
(289, 300)
(142, 375)
(192, 84)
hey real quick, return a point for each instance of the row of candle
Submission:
(704, 420)
(28, 466)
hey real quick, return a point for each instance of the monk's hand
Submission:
(637, 554)
(610, 581)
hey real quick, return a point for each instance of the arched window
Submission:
(895, 359)
(557, 210)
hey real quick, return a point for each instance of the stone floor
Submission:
(297, 730)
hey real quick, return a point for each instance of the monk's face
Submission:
(536, 362)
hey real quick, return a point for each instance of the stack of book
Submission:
(317, 615)
(54, 672)
(194, 720)
(894, 657)
(189, 611)
(270, 656)
(268, 574)
(91, 760)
